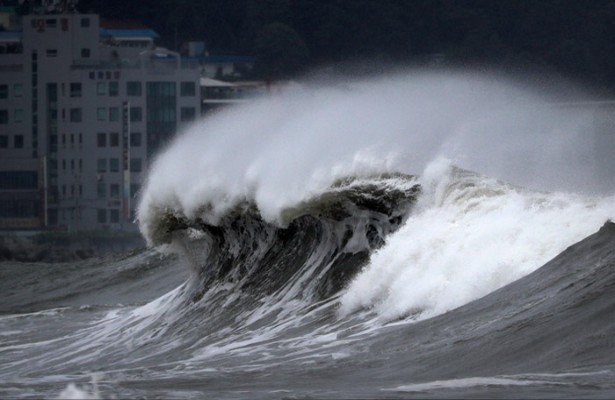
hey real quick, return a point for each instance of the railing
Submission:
(104, 65)
(156, 65)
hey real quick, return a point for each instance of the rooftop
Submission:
(116, 33)
(128, 33)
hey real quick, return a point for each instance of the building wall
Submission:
(86, 125)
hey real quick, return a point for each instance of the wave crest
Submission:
(324, 240)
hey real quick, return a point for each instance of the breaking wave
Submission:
(321, 170)
(428, 234)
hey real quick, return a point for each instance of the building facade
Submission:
(83, 110)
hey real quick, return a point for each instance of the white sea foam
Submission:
(463, 383)
(469, 236)
(504, 380)
(73, 391)
(283, 149)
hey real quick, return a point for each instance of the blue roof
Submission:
(128, 33)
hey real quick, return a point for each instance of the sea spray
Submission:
(74, 392)
(468, 236)
(284, 149)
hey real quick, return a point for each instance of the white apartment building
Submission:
(83, 109)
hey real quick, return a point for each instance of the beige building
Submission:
(84, 106)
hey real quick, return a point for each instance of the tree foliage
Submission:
(571, 36)
(280, 51)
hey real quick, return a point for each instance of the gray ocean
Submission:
(412, 236)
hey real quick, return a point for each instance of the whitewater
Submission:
(419, 234)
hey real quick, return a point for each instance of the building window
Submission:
(157, 89)
(114, 114)
(133, 88)
(101, 190)
(187, 89)
(114, 215)
(101, 216)
(18, 139)
(113, 88)
(85, 22)
(134, 189)
(4, 141)
(114, 190)
(101, 139)
(135, 165)
(187, 114)
(18, 89)
(136, 114)
(51, 53)
(135, 139)
(4, 91)
(101, 165)
(114, 165)
(101, 88)
(75, 89)
(19, 180)
(75, 115)
(51, 22)
(85, 53)
(18, 115)
(114, 139)
(101, 113)
(162, 115)
(4, 116)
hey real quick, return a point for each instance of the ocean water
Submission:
(417, 235)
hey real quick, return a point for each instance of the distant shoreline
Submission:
(56, 247)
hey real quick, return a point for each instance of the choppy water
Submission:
(348, 242)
